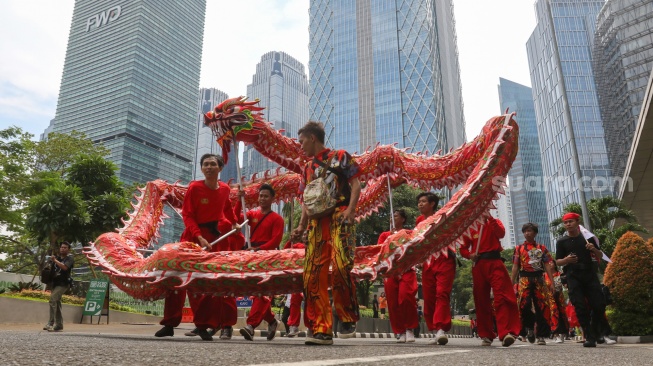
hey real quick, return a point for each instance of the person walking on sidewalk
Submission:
(489, 274)
(438, 275)
(331, 235)
(63, 266)
(402, 291)
(266, 234)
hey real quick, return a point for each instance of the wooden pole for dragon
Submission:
(242, 198)
(392, 211)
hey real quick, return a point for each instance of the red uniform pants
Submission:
(402, 304)
(295, 309)
(437, 282)
(208, 311)
(491, 274)
(261, 310)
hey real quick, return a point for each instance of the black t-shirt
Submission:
(61, 276)
(567, 245)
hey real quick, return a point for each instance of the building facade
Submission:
(386, 72)
(206, 143)
(503, 212)
(281, 84)
(130, 82)
(525, 178)
(623, 59)
(569, 126)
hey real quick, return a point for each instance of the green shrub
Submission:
(630, 324)
(20, 286)
(630, 279)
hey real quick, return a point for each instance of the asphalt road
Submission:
(134, 345)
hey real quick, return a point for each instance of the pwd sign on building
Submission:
(103, 18)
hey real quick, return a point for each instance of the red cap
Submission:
(570, 216)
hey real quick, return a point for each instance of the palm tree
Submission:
(603, 211)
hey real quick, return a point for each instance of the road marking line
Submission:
(362, 359)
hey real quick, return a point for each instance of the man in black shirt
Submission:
(580, 256)
(63, 265)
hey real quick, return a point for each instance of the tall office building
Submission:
(130, 82)
(623, 59)
(569, 125)
(207, 99)
(280, 83)
(386, 71)
(526, 181)
(503, 212)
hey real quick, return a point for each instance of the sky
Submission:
(492, 37)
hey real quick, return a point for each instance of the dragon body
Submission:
(477, 167)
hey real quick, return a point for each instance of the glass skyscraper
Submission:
(208, 98)
(623, 59)
(566, 104)
(130, 82)
(528, 201)
(280, 83)
(386, 71)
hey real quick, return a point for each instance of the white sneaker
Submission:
(293, 331)
(410, 337)
(610, 341)
(441, 337)
(559, 339)
(402, 338)
(486, 342)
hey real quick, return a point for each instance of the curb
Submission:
(264, 333)
(634, 339)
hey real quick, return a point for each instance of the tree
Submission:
(16, 157)
(59, 150)
(603, 211)
(104, 195)
(59, 189)
(630, 280)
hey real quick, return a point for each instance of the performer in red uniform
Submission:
(490, 274)
(206, 212)
(535, 297)
(295, 304)
(266, 233)
(437, 279)
(401, 291)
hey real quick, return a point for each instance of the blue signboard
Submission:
(244, 303)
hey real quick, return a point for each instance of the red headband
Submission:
(570, 216)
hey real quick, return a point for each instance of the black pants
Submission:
(588, 300)
(284, 317)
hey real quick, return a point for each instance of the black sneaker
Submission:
(212, 331)
(530, 336)
(204, 334)
(348, 330)
(48, 326)
(272, 329)
(166, 331)
(319, 339)
(600, 340)
(226, 332)
(192, 333)
(589, 343)
(247, 332)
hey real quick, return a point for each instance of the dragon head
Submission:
(234, 119)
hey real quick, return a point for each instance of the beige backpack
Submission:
(317, 199)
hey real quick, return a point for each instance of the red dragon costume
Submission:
(478, 167)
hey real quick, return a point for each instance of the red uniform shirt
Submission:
(266, 234)
(203, 204)
(493, 231)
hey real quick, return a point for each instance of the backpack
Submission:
(317, 199)
(47, 273)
